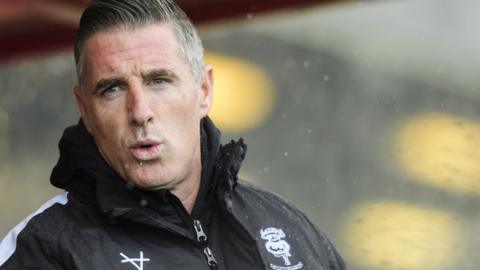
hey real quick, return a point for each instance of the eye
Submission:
(159, 81)
(110, 90)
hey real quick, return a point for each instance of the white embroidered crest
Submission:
(134, 261)
(279, 248)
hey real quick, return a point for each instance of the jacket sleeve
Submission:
(335, 261)
(29, 245)
(27, 252)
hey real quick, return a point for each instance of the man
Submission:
(147, 183)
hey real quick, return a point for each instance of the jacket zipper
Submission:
(202, 239)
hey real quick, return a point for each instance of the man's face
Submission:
(141, 104)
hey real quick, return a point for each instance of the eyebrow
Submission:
(156, 73)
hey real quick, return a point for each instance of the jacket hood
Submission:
(79, 155)
(78, 152)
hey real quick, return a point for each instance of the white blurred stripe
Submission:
(9, 243)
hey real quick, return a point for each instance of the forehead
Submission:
(113, 50)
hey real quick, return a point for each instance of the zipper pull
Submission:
(211, 260)
(201, 236)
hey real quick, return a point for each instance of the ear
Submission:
(206, 87)
(82, 107)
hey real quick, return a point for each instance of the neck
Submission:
(187, 190)
(188, 195)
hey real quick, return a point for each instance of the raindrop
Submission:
(286, 154)
(326, 78)
(143, 202)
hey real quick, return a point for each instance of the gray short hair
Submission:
(104, 15)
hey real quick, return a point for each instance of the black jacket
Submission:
(101, 223)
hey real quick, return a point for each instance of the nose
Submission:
(139, 107)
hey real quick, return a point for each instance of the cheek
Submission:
(105, 137)
(107, 130)
(101, 127)
(107, 117)
(183, 126)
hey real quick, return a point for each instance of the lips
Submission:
(146, 150)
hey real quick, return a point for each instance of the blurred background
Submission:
(366, 114)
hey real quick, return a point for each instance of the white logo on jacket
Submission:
(134, 261)
(279, 248)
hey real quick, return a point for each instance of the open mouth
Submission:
(146, 150)
(145, 146)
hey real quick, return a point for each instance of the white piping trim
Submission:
(9, 242)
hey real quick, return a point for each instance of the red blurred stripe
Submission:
(25, 31)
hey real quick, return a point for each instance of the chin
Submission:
(144, 180)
